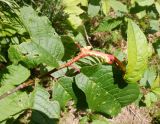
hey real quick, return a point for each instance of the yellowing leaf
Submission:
(84, 2)
(73, 10)
(137, 53)
(75, 21)
(105, 6)
(70, 2)
(156, 83)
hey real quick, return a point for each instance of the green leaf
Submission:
(145, 2)
(150, 98)
(39, 100)
(31, 54)
(70, 47)
(84, 2)
(156, 46)
(155, 25)
(105, 6)
(118, 6)
(13, 104)
(102, 93)
(99, 119)
(157, 4)
(93, 7)
(45, 42)
(80, 39)
(73, 10)
(10, 24)
(63, 91)
(141, 14)
(137, 53)
(149, 77)
(75, 21)
(42, 33)
(14, 75)
(156, 91)
(156, 83)
(108, 25)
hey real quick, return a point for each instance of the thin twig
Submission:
(87, 38)
(21, 86)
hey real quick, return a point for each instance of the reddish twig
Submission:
(86, 51)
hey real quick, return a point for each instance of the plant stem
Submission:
(21, 86)
(110, 59)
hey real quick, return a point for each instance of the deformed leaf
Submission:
(14, 75)
(39, 100)
(137, 53)
(102, 93)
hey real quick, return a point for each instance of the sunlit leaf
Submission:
(108, 25)
(150, 98)
(105, 6)
(72, 8)
(157, 4)
(102, 93)
(45, 45)
(156, 83)
(145, 2)
(14, 75)
(137, 53)
(118, 6)
(14, 104)
(75, 21)
(63, 91)
(93, 7)
(39, 100)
